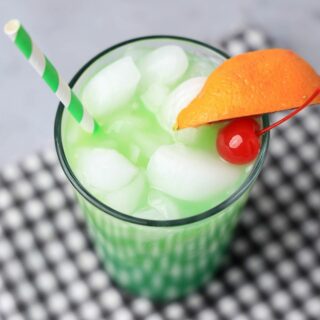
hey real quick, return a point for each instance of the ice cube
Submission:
(165, 65)
(134, 153)
(128, 198)
(179, 99)
(125, 124)
(109, 143)
(154, 97)
(150, 214)
(203, 137)
(139, 135)
(187, 136)
(189, 174)
(72, 132)
(164, 204)
(149, 142)
(135, 106)
(200, 67)
(103, 170)
(111, 88)
(136, 53)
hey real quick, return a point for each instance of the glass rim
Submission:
(141, 221)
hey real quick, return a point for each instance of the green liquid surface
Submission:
(136, 129)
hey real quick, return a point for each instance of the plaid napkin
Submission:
(48, 269)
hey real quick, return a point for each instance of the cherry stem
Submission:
(291, 114)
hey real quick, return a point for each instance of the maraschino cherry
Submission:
(239, 141)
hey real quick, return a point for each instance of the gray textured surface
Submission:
(72, 31)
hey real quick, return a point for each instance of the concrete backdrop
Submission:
(72, 31)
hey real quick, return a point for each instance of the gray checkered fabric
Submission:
(48, 269)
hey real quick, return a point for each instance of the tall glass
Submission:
(157, 259)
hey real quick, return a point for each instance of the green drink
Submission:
(160, 205)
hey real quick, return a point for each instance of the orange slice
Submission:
(252, 83)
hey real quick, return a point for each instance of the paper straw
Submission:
(49, 74)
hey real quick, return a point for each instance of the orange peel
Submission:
(253, 83)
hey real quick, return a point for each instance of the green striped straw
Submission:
(49, 74)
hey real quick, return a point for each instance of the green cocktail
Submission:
(161, 206)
